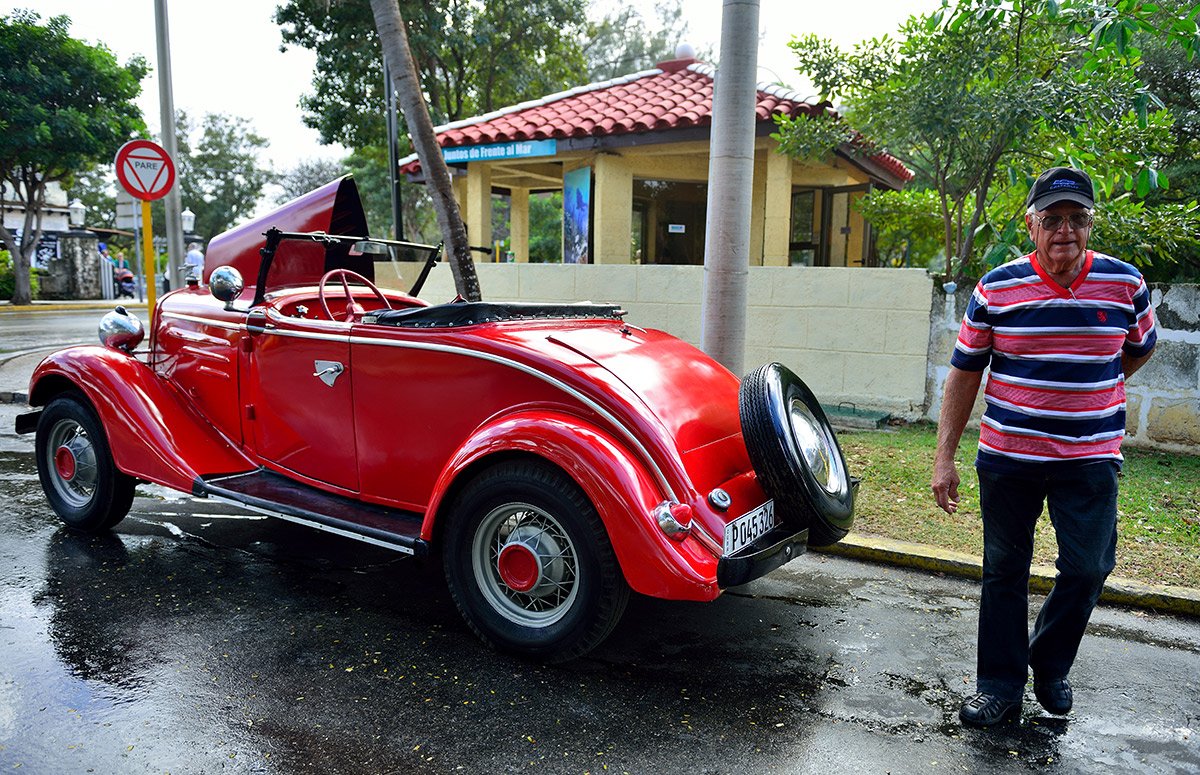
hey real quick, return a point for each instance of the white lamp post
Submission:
(187, 219)
(76, 212)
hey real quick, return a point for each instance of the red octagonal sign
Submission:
(145, 170)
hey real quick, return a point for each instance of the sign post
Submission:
(146, 171)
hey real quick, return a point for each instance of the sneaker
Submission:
(1055, 696)
(985, 710)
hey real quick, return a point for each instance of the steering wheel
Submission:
(354, 310)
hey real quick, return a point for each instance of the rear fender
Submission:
(154, 433)
(620, 488)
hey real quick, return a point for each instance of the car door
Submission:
(302, 410)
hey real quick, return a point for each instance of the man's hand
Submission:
(945, 485)
(961, 389)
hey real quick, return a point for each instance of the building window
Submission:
(802, 243)
(668, 221)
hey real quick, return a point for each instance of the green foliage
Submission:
(218, 171)
(471, 58)
(96, 187)
(64, 105)
(307, 175)
(545, 228)
(8, 278)
(624, 42)
(907, 225)
(979, 96)
(369, 166)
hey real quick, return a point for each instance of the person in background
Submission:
(195, 261)
(1062, 329)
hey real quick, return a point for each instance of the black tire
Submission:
(795, 453)
(76, 467)
(529, 564)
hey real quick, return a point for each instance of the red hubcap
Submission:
(64, 463)
(519, 567)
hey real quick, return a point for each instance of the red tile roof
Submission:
(674, 95)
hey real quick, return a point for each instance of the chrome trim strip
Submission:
(310, 523)
(205, 321)
(659, 476)
(707, 540)
(578, 396)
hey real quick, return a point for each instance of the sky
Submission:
(225, 55)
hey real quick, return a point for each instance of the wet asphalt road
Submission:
(197, 639)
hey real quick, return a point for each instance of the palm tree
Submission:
(394, 37)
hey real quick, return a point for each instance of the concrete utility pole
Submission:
(730, 181)
(166, 106)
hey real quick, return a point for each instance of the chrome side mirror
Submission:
(226, 285)
(121, 330)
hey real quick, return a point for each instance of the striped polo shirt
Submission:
(1056, 393)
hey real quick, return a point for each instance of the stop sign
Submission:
(145, 170)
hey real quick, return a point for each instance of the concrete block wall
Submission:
(874, 338)
(858, 336)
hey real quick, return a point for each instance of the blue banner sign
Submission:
(518, 150)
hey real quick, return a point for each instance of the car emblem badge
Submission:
(328, 371)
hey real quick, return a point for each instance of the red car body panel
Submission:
(154, 432)
(637, 418)
(612, 480)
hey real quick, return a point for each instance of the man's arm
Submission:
(1130, 364)
(961, 389)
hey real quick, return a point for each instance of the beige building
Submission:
(631, 157)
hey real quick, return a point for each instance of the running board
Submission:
(275, 495)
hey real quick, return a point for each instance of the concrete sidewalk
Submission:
(16, 369)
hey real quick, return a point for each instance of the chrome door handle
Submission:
(328, 371)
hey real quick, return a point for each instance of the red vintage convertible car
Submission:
(556, 455)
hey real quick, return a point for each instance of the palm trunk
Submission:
(730, 176)
(393, 36)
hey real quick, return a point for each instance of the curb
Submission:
(1117, 591)
(67, 307)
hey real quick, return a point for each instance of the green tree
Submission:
(470, 58)
(624, 42)
(545, 228)
(979, 96)
(219, 174)
(369, 166)
(307, 175)
(64, 105)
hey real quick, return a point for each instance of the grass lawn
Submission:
(1158, 508)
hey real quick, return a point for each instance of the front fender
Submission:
(153, 431)
(622, 491)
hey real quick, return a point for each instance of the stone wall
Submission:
(1163, 397)
(75, 272)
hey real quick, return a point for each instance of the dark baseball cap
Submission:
(1061, 184)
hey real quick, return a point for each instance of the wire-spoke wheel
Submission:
(529, 563)
(76, 468)
(525, 564)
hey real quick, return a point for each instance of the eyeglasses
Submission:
(1078, 221)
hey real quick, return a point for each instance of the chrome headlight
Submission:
(121, 330)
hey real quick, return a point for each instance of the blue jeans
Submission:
(1083, 510)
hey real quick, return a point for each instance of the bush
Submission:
(8, 280)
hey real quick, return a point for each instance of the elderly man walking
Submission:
(1062, 329)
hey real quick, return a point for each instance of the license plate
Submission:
(748, 528)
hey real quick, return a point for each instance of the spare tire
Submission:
(795, 454)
